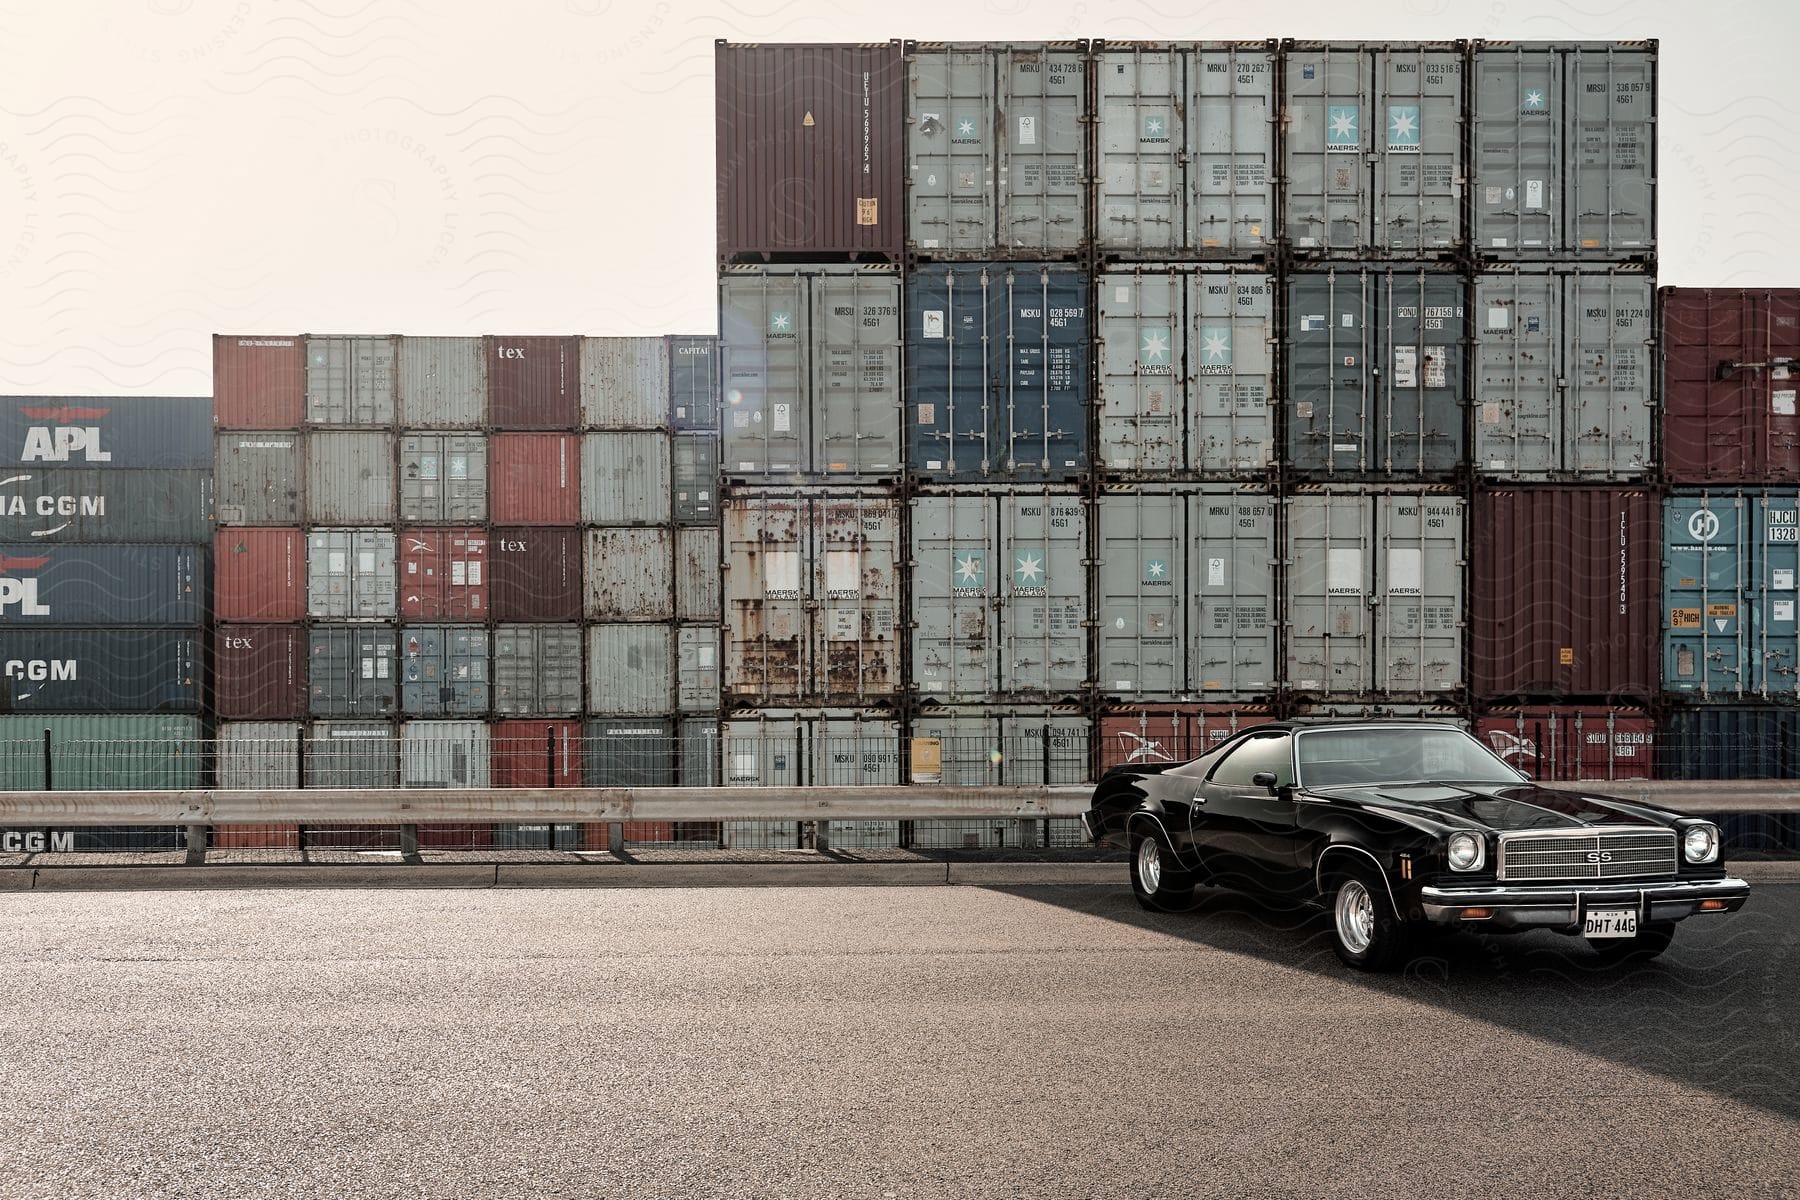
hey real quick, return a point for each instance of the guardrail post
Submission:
(615, 837)
(409, 841)
(49, 780)
(196, 844)
(821, 835)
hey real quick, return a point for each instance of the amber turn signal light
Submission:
(1477, 914)
(1712, 906)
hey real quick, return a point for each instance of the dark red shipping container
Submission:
(1171, 732)
(444, 574)
(259, 381)
(1729, 383)
(811, 150)
(536, 754)
(533, 382)
(534, 479)
(1572, 743)
(1564, 593)
(259, 575)
(537, 574)
(259, 672)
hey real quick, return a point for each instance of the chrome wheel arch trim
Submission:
(1345, 847)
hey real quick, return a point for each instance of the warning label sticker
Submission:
(1684, 618)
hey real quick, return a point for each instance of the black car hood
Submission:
(1500, 807)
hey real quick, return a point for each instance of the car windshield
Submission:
(1395, 754)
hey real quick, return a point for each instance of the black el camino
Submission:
(1394, 826)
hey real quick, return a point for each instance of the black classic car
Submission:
(1395, 826)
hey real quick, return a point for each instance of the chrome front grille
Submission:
(1586, 854)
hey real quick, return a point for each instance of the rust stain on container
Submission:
(533, 382)
(1729, 384)
(259, 575)
(810, 142)
(534, 478)
(259, 672)
(259, 381)
(537, 574)
(1565, 593)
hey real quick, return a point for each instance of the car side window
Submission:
(1260, 752)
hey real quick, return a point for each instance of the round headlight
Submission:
(1464, 851)
(1700, 844)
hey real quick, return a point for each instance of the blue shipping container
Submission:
(86, 505)
(99, 671)
(119, 585)
(1729, 743)
(997, 372)
(1730, 566)
(120, 432)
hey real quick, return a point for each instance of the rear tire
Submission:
(1366, 932)
(1651, 940)
(1157, 882)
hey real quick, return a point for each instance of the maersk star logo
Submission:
(1403, 127)
(1154, 125)
(969, 569)
(1156, 570)
(1153, 348)
(1534, 101)
(780, 322)
(1028, 569)
(1215, 347)
(965, 129)
(1340, 127)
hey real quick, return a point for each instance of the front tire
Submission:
(1366, 932)
(1157, 882)
(1651, 940)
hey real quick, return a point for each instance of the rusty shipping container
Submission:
(625, 478)
(443, 383)
(1549, 743)
(812, 596)
(533, 382)
(631, 669)
(350, 381)
(349, 478)
(534, 478)
(624, 383)
(443, 478)
(259, 672)
(117, 433)
(697, 575)
(1565, 593)
(259, 575)
(536, 574)
(259, 381)
(629, 575)
(809, 144)
(535, 754)
(443, 574)
(1171, 733)
(537, 670)
(83, 505)
(260, 477)
(1731, 370)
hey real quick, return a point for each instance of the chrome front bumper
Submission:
(1564, 905)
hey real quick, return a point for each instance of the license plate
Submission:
(1610, 923)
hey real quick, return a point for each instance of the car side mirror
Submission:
(1264, 779)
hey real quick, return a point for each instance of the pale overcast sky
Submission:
(174, 168)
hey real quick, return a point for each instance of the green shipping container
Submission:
(101, 753)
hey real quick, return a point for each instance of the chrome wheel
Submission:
(1355, 916)
(1149, 866)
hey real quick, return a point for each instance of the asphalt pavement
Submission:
(1029, 1041)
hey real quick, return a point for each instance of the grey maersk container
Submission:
(812, 597)
(351, 671)
(1564, 144)
(443, 670)
(254, 755)
(350, 574)
(997, 150)
(353, 754)
(810, 360)
(350, 478)
(443, 383)
(624, 383)
(1373, 157)
(628, 575)
(1563, 373)
(693, 382)
(1187, 599)
(443, 478)
(997, 372)
(444, 754)
(350, 380)
(537, 670)
(1374, 592)
(99, 670)
(83, 505)
(694, 478)
(631, 669)
(625, 478)
(1375, 359)
(1187, 371)
(994, 747)
(999, 594)
(1186, 146)
(795, 748)
(260, 478)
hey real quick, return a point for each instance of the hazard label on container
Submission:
(1684, 618)
(1721, 610)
